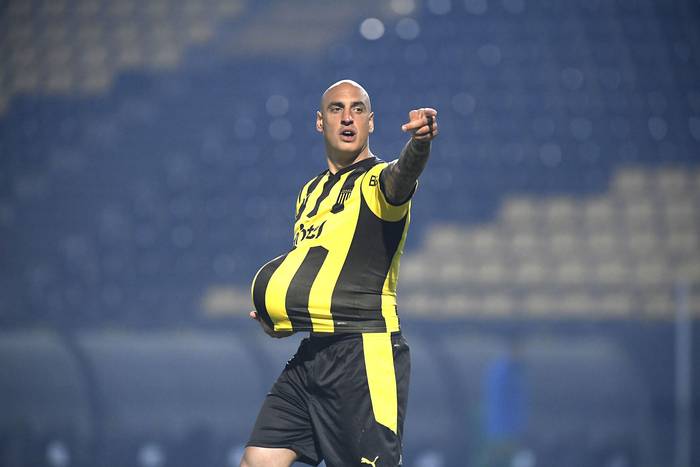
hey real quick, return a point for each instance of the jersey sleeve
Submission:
(376, 200)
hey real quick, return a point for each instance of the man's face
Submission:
(345, 119)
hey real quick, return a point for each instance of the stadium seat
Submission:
(641, 234)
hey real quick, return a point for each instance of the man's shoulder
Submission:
(311, 183)
(315, 178)
(370, 164)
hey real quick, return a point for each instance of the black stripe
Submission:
(297, 300)
(346, 189)
(311, 188)
(358, 168)
(366, 266)
(332, 180)
(260, 287)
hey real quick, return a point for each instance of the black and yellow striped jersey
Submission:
(341, 274)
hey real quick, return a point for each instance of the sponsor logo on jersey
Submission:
(308, 232)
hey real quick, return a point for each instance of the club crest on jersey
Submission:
(308, 232)
(340, 202)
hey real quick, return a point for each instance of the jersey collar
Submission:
(369, 162)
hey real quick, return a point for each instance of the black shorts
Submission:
(341, 398)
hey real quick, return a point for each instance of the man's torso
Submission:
(341, 274)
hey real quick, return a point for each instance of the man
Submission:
(342, 398)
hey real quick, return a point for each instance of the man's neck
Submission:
(339, 163)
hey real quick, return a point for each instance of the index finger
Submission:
(423, 120)
(414, 125)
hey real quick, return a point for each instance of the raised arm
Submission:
(399, 177)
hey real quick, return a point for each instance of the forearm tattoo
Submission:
(399, 177)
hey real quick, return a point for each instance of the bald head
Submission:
(345, 83)
(346, 121)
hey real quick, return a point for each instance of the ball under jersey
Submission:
(341, 274)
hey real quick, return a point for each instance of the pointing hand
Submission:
(422, 124)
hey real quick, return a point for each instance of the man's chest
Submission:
(328, 217)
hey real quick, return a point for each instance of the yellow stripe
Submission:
(321, 294)
(379, 361)
(276, 292)
(311, 201)
(337, 241)
(375, 199)
(301, 196)
(304, 194)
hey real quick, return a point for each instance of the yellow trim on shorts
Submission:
(381, 378)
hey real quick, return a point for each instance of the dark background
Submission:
(150, 156)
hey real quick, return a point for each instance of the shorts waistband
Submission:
(333, 336)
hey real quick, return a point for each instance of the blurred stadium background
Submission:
(150, 155)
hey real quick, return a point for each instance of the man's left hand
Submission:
(422, 124)
(268, 330)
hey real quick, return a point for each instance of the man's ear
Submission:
(371, 122)
(319, 122)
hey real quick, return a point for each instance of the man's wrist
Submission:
(420, 147)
